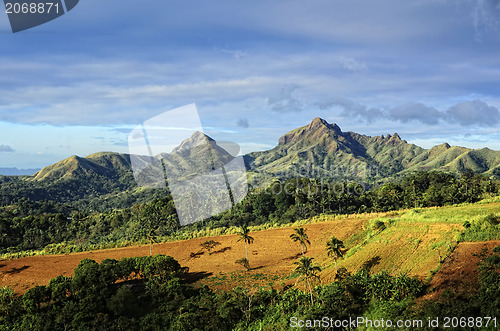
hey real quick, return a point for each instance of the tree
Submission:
(334, 248)
(300, 235)
(152, 217)
(244, 235)
(209, 245)
(307, 270)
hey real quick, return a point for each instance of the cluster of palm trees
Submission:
(305, 269)
(333, 247)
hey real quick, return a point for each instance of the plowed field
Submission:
(271, 253)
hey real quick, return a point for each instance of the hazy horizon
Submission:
(127, 152)
(426, 69)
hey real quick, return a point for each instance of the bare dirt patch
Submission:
(271, 253)
(459, 271)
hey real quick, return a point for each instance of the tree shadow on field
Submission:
(192, 277)
(369, 264)
(17, 270)
(257, 268)
(293, 257)
(196, 255)
(222, 250)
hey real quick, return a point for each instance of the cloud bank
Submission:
(467, 113)
(6, 148)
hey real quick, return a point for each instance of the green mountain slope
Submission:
(106, 165)
(107, 178)
(318, 150)
(322, 150)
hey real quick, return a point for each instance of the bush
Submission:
(379, 225)
(491, 219)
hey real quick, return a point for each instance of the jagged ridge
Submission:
(327, 148)
(319, 146)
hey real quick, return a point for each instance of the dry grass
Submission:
(412, 241)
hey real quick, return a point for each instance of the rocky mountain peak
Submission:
(197, 139)
(319, 124)
(314, 131)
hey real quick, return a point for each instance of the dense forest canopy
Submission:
(32, 225)
(152, 293)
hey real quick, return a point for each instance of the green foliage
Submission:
(485, 228)
(301, 237)
(379, 225)
(484, 302)
(246, 238)
(29, 224)
(78, 231)
(122, 303)
(167, 303)
(492, 219)
(334, 248)
(308, 272)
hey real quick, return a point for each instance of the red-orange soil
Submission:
(271, 253)
(459, 271)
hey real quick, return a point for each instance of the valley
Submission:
(381, 228)
(417, 242)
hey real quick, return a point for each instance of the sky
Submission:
(426, 69)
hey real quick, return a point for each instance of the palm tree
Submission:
(334, 248)
(244, 235)
(300, 235)
(306, 269)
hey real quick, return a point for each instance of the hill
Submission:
(323, 150)
(104, 165)
(319, 150)
(416, 242)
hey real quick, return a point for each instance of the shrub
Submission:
(491, 219)
(379, 225)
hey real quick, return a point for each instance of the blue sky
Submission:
(427, 69)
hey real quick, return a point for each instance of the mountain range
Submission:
(324, 150)
(319, 149)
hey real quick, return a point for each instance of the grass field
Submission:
(416, 241)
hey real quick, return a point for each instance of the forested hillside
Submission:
(27, 225)
(151, 293)
(105, 181)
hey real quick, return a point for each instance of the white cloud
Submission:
(350, 64)
(285, 100)
(474, 112)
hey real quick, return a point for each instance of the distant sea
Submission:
(17, 172)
